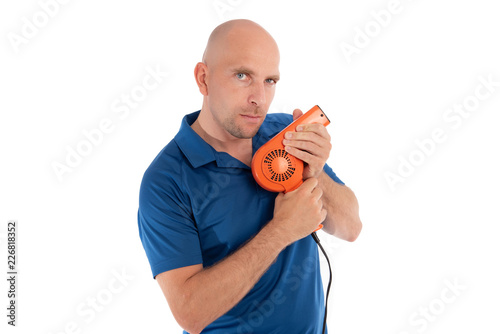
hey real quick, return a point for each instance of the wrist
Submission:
(277, 233)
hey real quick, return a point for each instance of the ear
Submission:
(200, 75)
(297, 113)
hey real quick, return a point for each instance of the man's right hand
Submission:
(199, 295)
(298, 213)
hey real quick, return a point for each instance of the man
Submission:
(229, 256)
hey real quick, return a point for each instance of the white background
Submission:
(439, 225)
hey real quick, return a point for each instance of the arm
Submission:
(342, 219)
(312, 145)
(197, 296)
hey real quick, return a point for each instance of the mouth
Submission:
(251, 118)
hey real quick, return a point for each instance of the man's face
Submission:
(241, 85)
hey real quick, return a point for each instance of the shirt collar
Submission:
(200, 153)
(196, 150)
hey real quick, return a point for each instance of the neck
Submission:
(221, 140)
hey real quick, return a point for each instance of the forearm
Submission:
(342, 208)
(213, 291)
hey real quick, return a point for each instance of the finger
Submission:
(318, 193)
(308, 141)
(311, 147)
(310, 184)
(311, 136)
(306, 156)
(316, 128)
(299, 154)
(297, 113)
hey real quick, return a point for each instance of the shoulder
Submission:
(163, 177)
(278, 119)
(166, 161)
(274, 123)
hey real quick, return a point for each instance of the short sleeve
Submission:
(167, 230)
(328, 170)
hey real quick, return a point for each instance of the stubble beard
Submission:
(238, 131)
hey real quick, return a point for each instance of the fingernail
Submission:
(300, 128)
(288, 135)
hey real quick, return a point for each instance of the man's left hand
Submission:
(311, 144)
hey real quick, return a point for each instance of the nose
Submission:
(257, 95)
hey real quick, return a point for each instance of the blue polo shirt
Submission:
(197, 205)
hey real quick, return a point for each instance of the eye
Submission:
(241, 76)
(271, 81)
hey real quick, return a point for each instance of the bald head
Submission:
(237, 78)
(235, 34)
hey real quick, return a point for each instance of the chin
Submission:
(245, 133)
(253, 131)
(242, 131)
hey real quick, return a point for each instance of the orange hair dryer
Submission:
(275, 169)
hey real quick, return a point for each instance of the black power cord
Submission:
(315, 237)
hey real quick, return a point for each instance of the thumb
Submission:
(297, 113)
